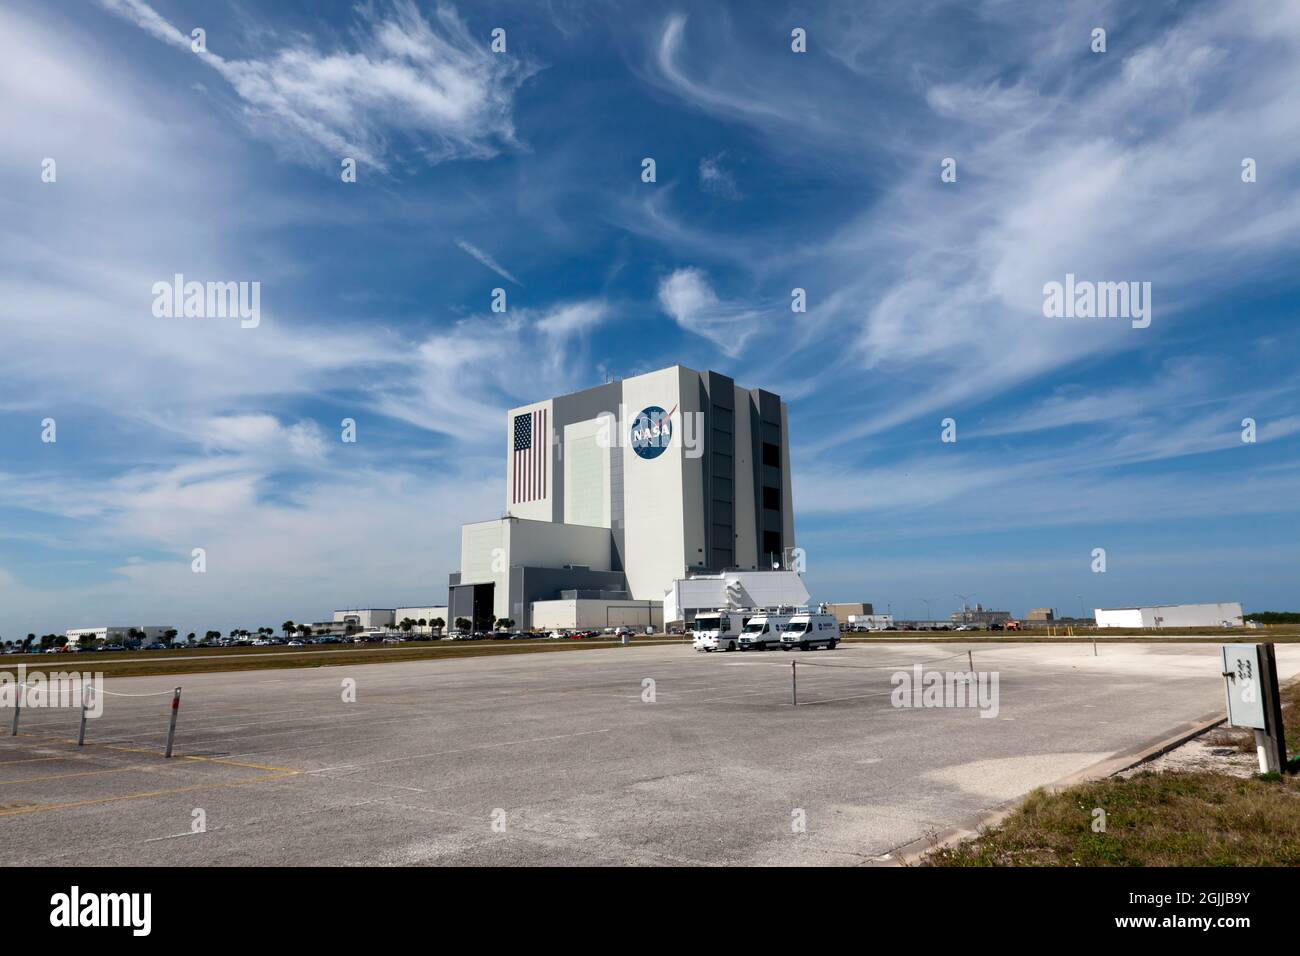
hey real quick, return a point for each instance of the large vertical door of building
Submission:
(484, 608)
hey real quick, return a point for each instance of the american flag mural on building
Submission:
(530, 448)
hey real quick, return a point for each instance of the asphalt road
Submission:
(563, 759)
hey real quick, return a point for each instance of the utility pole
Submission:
(965, 607)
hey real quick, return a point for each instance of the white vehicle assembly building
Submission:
(615, 492)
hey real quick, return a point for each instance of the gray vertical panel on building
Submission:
(718, 399)
(767, 477)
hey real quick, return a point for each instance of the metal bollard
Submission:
(19, 690)
(794, 684)
(171, 731)
(971, 660)
(85, 702)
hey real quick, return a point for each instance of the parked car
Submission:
(295, 644)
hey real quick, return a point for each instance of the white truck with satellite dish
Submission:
(718, 630)
(808, 630)
(763, 630)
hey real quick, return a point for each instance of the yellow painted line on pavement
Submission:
(47, 807)
(142, 750)
(79, 773)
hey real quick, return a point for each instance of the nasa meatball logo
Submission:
(652, 430)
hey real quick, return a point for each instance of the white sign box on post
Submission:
(1242, 673)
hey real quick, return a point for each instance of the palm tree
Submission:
(437, 624)
(288, 627)
(189, 638)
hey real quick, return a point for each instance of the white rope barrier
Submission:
(87, 696)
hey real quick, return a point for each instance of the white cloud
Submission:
(717, 179)
(572, 319)
(709, 94)
(689, 299)
(1076, 164)
(429, 80)
(487, 260)
(460, 381)
(364, 535)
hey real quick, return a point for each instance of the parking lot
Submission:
(630, 755)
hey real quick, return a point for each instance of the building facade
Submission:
(627, 487)
(116, 635)
(1172, 615)
(842, 612)
(979, 616)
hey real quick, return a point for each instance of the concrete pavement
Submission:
(564, 759)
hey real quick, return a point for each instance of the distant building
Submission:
(418, 614)
(1172, 615)
(1040, 614)
(117, 635)
(978, 615)
(872, 622)
(842, 612)
(597, 610)
(366, 618)
(732, 589)
(354, 620)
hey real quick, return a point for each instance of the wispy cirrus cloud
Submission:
(475, 252)
(687, 296)
(426, 80)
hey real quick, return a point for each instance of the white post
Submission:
(19, 690)
(171, 731)
(1265, 753)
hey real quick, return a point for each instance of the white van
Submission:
(762, 631)
(807, 630)
(717, 630)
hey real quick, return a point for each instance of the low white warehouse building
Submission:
(581, 613)
(733, 589)
(1172, 615)
(112, 634)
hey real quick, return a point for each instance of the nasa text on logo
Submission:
(652, 431)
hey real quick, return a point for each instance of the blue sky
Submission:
(775, 170)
